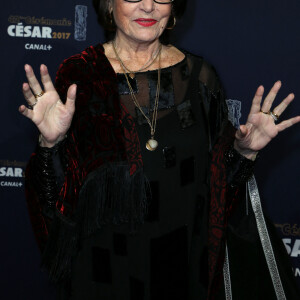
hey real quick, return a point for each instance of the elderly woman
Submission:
(137, 186)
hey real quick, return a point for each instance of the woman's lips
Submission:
(146, 22)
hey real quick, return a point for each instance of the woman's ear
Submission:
(110, 6)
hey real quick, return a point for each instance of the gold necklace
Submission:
(147, 65)
(151, 144)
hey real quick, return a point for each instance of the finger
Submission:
(278, 110)
(32, 81)
(46, 79)
(288, 123)
(26, 111)
(255, 107)
(271, 96)
(28, 94)
(71, 96)
(242, 132)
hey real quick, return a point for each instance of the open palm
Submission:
(260, 127)
(50, 115)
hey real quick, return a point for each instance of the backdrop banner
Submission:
(249, 43)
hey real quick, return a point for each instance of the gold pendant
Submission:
(151, 145)
(131, 75)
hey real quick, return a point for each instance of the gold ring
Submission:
(265, 112)
(39, 95)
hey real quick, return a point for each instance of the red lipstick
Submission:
(146, 22)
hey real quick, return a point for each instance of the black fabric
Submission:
(140, 117)
(137, 289)
(185, 114)
(169, 261)
(187, 171)
(48, 173)
(239, 168)
(153, 209)
(168, 257)
(123, 85)
(101, 265)
(120, 244)
(169, 154)
(252, 280)
(166, 95)
(158, 255)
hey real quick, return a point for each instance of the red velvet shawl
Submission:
(102, 131)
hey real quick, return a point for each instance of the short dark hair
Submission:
(104, 17)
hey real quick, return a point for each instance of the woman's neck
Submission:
(135, 53)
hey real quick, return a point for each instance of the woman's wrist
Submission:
(248, 153)
(45, 144)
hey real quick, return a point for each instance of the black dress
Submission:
(161, 260)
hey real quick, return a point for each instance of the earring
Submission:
(174, 24)
(110, 20)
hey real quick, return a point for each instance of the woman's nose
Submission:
(148, 5)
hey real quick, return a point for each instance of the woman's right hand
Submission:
(49, 114)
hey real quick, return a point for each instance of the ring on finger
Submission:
(274, 116)
(31, 106)
(40, 94)
(265, 112)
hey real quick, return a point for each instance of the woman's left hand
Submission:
(260, 127)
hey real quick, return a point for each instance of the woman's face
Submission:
(141, 22)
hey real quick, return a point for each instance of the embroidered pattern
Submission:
(185, 114)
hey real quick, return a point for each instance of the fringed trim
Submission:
(108, 196)
(111, 195)
(60, 249)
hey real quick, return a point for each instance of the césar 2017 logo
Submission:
(42, 32)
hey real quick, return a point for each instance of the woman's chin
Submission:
(145, 38)
(142, 35)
